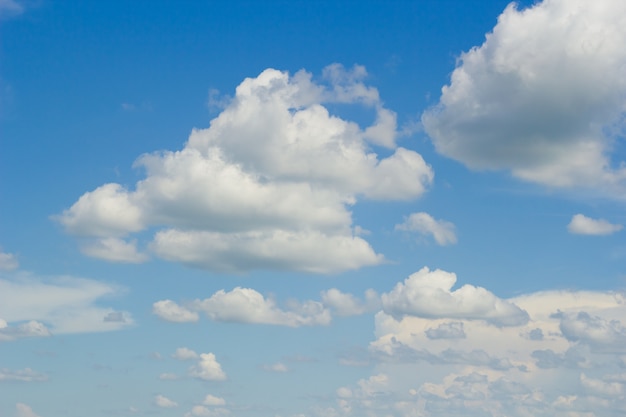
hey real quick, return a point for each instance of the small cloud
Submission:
(213, 401)
(23, 410)
(114, 250)
(170, 311)
(116, 317)
(164, 402)
(276, 367)
(8, 262)
(184, 354)
(423, 223)
(168, 377)
(583, 225)
(207, 368)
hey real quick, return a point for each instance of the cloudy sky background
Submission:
(312, 209)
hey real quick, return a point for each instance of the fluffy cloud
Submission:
(114, 250)
(8, 262)
(164, 402)
(583, 225)
(24, 410)
(428, 294)
(29, 329)
(212, 400)
(267, 186)
(543, 97)
(245, 305)
(21, 375)
(56, 305)
(184, 354)
(423, 223)
(207, 368)
(344, 304)
(168, 310)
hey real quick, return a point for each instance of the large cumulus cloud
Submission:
(268, 185)
(544, 96)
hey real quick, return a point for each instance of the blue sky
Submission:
(318, 209)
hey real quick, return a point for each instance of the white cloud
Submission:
(59, 305)
(8, 262)
(202, 411)
(560, 363)
(442, 231)
(276, 367)
(279, 173)
(544, 97)
(114, 250)
(207, 368)
(344, 304)
(21, 375)
(245, 305)
(168, 310)
(164, 402)
(29, 329)
(428, 294)
(168, 377)
(583, 225)
(24, 410)
(212, 400)
(184, 354)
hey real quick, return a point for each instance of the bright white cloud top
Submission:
(267, 185)
(295, 254)
(543, 96)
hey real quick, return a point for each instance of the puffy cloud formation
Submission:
(168, 310)
(583, 225)
(207, 368)
(56, 305)
(423, 223)
(212, 400)
(114, 250)
(544, 97)
(245, 305)
(429, 294)
(164, 402)
(267, 186)
(344, 304)
(184, 354)
(561, 362)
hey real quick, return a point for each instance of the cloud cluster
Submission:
(33, 306)
(245, 305)
(559, 361)
(8, 262)
(267, 186)
(544, 97)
